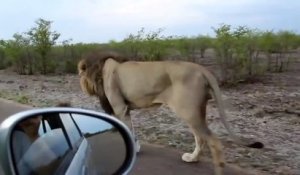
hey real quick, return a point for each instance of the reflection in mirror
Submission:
(64, 143)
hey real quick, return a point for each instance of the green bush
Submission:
(241, 52)
(237, 53)
(23, 99)
(150, 46)
(70, 66)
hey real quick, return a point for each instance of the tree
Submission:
(203, 42)
(268, 43)
(223, 47)
(186, 46)
(3, 60)
(237, 53)
(287, 41)
(18, 53)
(43, 39)
(143, 46)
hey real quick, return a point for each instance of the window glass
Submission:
(47, 127)
(91, 125)
(44, 154)
(71, 128)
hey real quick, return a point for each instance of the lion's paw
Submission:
(137, 146)
(188, 157)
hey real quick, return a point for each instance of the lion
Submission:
(185, 87)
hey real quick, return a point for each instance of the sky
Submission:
(100, 21)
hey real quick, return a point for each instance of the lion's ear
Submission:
(81, 67)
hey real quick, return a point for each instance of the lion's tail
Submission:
(215, 91)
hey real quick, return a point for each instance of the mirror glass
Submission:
(67, 143)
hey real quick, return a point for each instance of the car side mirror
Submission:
(63, 140)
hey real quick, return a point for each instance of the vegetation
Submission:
(29, 52)
(237, 52)
(143, 46)
(23, 99)
(16, 52)
(241, 53)
(42, 39)
(18, 97)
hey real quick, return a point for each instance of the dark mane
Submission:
(94, 62)
(101, 57)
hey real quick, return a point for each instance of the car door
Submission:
(54, 150)
(47, 153)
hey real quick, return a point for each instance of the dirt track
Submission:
(266, 110)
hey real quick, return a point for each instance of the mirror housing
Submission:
(9, 125)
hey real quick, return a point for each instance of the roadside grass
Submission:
(17, 97)
(23, 99)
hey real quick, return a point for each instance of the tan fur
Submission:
(185, 87)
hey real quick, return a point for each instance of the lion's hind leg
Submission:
(215, 147)
(218, 158)
(195, 123)
(203, 135)
(192, 117)
(199, 146)
(193, 111)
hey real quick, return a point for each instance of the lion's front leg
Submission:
(128, 122)
(126, 118)
(116, 99)
(123, 114)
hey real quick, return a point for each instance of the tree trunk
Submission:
(269, 56)
(44, 65)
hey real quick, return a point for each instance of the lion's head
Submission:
(90, 71)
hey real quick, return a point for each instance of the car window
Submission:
(45, 128)
(45, 154)
(90, 125)
(51, 152)
(71, 128)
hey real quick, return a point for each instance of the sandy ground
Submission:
(267, 111)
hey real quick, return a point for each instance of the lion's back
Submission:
(146, 80)
(156, 74)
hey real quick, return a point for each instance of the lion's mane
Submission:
(90, 69)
